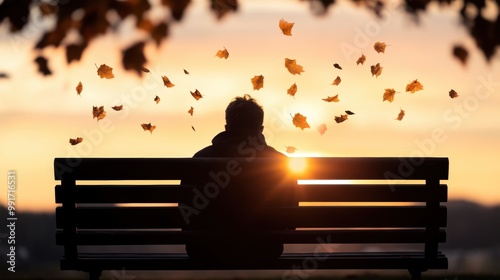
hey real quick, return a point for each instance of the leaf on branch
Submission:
(331, 98)
(75, 141)
(414, 86)
(74, 52)
(336, 81)
(380, 47)
(98, 112)
(389, 94)
(105, 71)
(257, 82)
(148, 127)
(292, 66)
(376, 70)
(133, 58)
(292, 90)
(400, 115)
(79, 88)
(461, 53)
(361, 60)
(222, 53)
(196, 94)
(43, 66)
(300, 121)
(167, 82)
(286, 27)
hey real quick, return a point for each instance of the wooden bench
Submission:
(392, 201)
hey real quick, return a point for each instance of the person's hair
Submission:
(244, 113)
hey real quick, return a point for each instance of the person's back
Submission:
(238, 206)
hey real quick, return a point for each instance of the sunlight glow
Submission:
(297, 165)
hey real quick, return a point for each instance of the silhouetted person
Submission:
(239, 207)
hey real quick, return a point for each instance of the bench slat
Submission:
(357, 236)
(305, 193)
(365, 260)
(314, 217)
(317, 168)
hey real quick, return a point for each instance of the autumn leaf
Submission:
(192, 127)
(290, 149)
(293, 67)
(376, 70)
(337, 81)
(196, 94)
(414, 86)
(148, 127)
(105, 71)
(300, 121)
(191, 111)
(79, 88)
(380, 47)
(332, 98)
(361, 60)
(43, 65)
(258, 82)
(349, 112)
(98, 112)
(340, 118)
(144, 69)
(117, 108)
(157, 99)
(222, 53)
(286, 27)
(133, 58)
(75, 141)
(336, 65)
(461, 54)
(186, 72)
(389, 94)
(321, 128)
(400, 115)
(453, 93)
(167, 82)
(292, 90)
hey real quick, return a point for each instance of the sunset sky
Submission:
(39, 114)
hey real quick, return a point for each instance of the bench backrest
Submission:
(100, 214)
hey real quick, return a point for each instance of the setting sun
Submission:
(297, 165)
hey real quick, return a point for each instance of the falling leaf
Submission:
(286, 27)
(186, 72)
(196, 94)
(191, 111)
(257, 82)
(300, 121)
(117, 108)
(340, 118)
(414, 86)
(332, 98)
(380, 47)
(290, 149)
(376, 69)
(389, 94)
(337, 81)
(167, 82)
(400, 115)
(192, 127)
(75, 141)
(461, 54)
(292, 90)
(105, 71)
(79, 88)
(336, 65)
(148, 127)
(43, 66)
(223, 53)
(144, 69)
(157, 99)
(453, 94)
(349, 112)
(293, 67)
(361, 59)
(98, 112)
(322, 129)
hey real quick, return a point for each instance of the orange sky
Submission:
(38, 115)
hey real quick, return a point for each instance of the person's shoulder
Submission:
(208, 151)
(272, 152)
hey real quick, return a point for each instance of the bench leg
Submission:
(416, 274)
(94, 274)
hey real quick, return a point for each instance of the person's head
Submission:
(244, 114)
